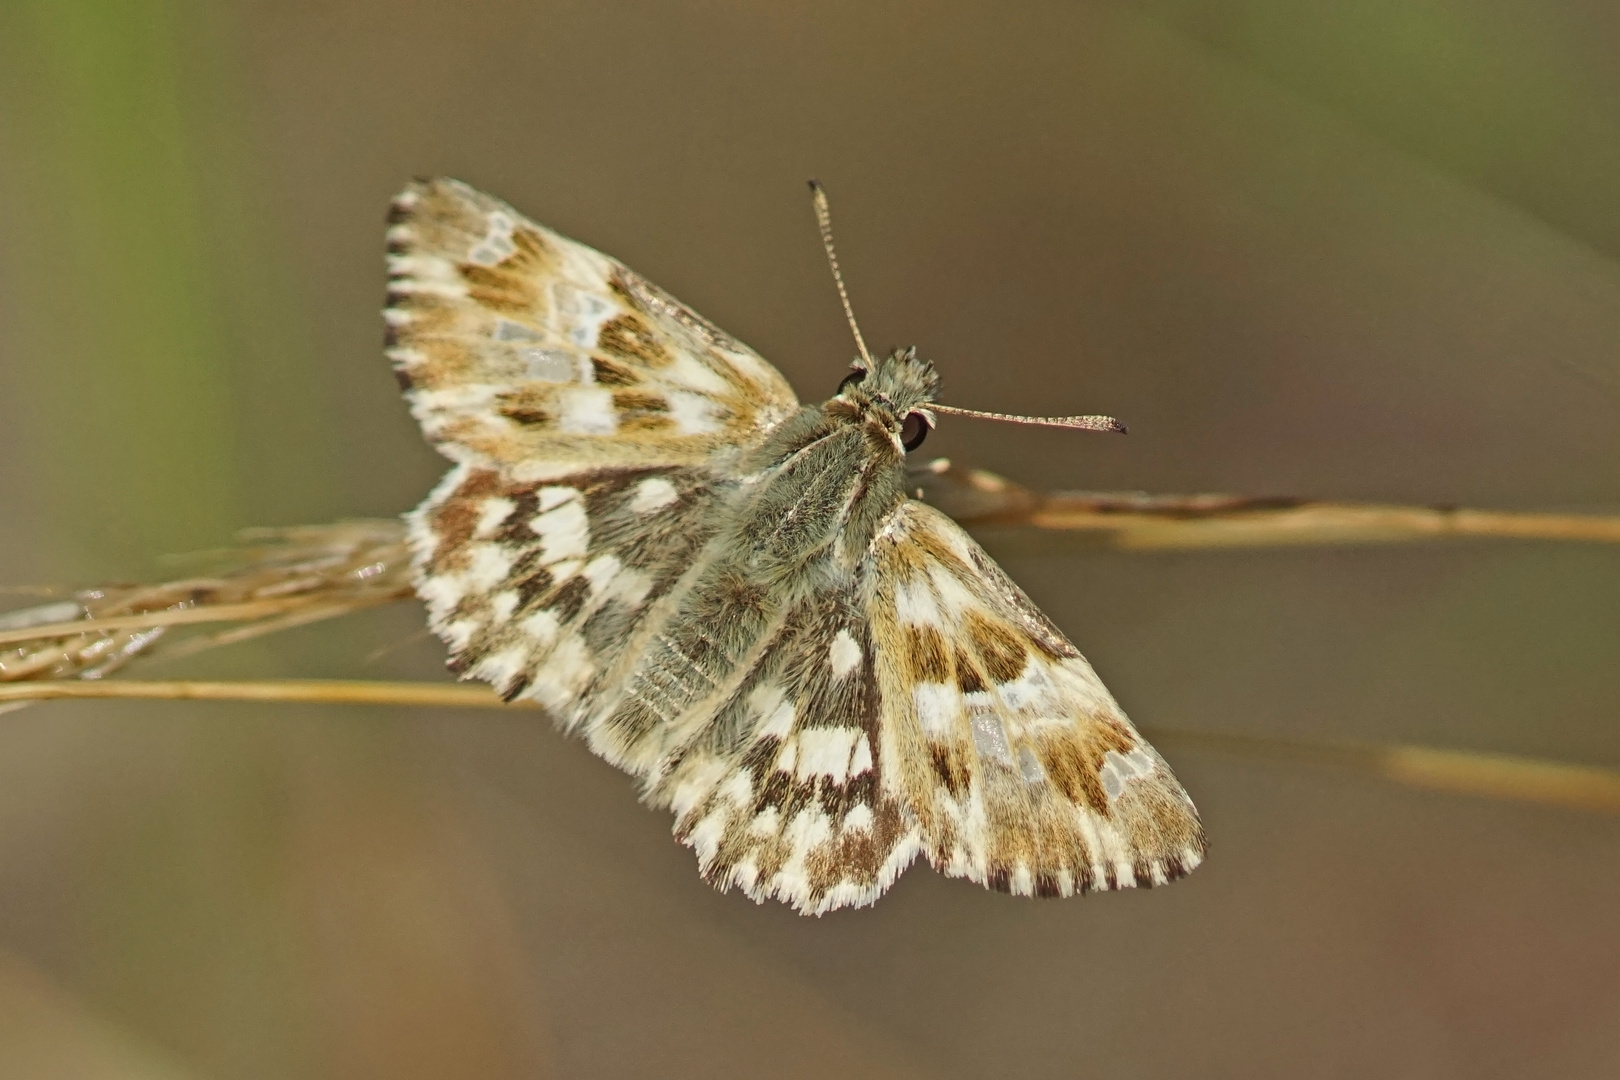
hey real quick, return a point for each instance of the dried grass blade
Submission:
(1459, 772)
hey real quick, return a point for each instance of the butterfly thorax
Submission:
(830, 475)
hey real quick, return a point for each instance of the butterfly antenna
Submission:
(818, 196)
(1078, 423)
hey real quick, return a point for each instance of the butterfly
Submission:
(731, 595)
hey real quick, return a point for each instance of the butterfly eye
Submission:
(914, 430)
(851, 379)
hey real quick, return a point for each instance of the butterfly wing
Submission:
(592, 417)
(914, 702)
(782, 792)
(539, 586)
(1016, 764)
(526, 351)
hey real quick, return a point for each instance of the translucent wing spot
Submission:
(507, 330)
(496, 246)
(586, 314)
(844, 654)
(549, 365)
(1118, 768)
(989, 736)
(1029, 766)
(1031, 691)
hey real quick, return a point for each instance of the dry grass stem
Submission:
(289, 577)
(278, 579)
(1462, 772)
(1136, 521)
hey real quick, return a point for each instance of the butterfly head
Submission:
(895, 390)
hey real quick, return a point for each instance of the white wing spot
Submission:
(936, 705)
(825, 752)
(738, 788)
(1031, 691)
(600, 572)
(862, 759)
(859, 817)
(844, 654)
(766, 824)
(502, 604)
(553, 497)
(914, 603)
(442, 592)
(789, 753)
(492, 514)
(689, 371)
(808, 829)
(490, 563)
(705, 837)
(564, 674)
(502, 667)
(563, 531)
(542, 626)
(587, 410)
(691, 790)
(652, 495)
(775, 715)
(459, 634)
(693, 414)
(954, 597)
(631, 587)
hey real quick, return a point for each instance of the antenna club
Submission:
(1076, 423)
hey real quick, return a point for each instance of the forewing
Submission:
(1019, 768)
(526, 351)
(783, 793)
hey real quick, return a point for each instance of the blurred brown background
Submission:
(1363, 250)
